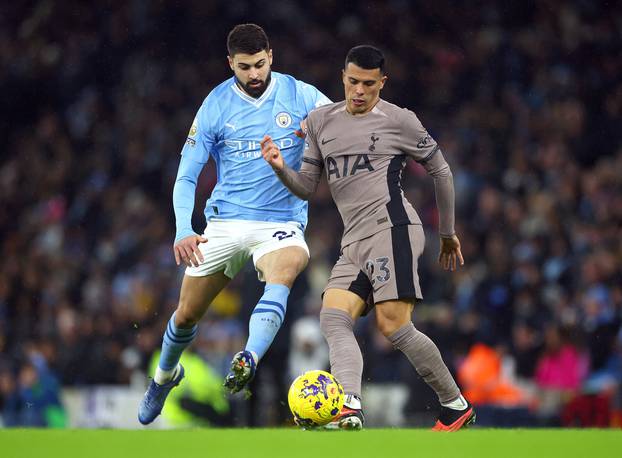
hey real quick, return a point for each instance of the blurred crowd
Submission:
(525, 99)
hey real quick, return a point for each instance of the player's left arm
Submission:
(450, 255)
(423, 148)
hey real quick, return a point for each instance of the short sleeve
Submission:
(311, 96)
(202, 135)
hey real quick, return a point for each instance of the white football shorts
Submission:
(230, 243)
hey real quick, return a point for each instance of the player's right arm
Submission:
(194, 156)
(304, 182)
(186, 245)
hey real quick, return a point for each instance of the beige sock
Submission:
(346, 360)
(423, 354)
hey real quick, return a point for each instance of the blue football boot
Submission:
(153, 401)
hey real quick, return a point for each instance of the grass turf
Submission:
(276, 443)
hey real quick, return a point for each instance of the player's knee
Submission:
(186, 317)
(289, 274)
(285, 275)
(296, 265)
(388, 322)
(298, 259)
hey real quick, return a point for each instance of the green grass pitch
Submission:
(276, 443)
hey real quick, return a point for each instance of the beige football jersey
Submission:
(363, 158)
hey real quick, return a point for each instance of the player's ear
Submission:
(230, 60)
(383, 80)
(270, 56)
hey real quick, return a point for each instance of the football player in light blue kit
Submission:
(249, 214)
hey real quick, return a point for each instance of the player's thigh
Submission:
(279, 250)
(390, 260)
(283, 265)
(393, 314)
(196, 295)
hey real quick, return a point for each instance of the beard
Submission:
(255, 91)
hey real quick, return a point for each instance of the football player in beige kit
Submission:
(362, 144)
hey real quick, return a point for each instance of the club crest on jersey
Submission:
(373, 139)
(283, 119)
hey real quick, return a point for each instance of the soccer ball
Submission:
(315, 398)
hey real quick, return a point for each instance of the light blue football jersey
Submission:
(229, 127)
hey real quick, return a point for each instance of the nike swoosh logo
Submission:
(328, 141)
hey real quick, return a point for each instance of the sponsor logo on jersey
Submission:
(349, 166)
(283, 119)
(425, 141)
(251, 149)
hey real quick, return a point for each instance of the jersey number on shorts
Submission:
(283, 235)
(383, 271)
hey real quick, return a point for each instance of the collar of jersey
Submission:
(374, 110)
(253, 101)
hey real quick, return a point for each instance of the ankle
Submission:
(162, 376)
(352, 401)
(457, 404)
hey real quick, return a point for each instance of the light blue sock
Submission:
(175, 342)
(267, 318)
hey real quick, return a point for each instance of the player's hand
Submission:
(187, 250)
(271, 153)
(450, 255)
